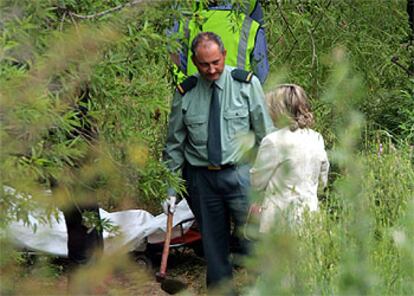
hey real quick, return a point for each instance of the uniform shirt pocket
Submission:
(237, 121)
(197, 128)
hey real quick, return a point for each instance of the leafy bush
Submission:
(122, 60)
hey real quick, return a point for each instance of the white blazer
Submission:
(288, 168)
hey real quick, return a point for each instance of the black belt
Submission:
(220, 167)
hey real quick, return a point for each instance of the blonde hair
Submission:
(291, 101)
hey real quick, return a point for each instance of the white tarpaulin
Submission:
(136, 227)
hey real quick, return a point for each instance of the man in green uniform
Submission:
(217, 115)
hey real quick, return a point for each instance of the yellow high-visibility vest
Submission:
(238, 32)
(236, 29)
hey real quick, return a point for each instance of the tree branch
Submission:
(314, 55)
(395, 60)
(288, 27)
(105, 12)
(62, 21)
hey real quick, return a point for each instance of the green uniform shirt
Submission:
(244, 121)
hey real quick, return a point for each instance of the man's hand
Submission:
(168, 205)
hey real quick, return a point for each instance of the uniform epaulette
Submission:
(187, 85)
(242, 75)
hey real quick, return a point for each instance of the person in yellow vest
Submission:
(240, 29)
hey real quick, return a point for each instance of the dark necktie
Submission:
(214, 132)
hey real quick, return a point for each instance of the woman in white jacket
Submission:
(291, 160)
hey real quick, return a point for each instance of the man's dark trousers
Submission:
(218, 196)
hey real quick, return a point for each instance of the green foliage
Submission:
(123, 61)
(302, 34)
(52, 51)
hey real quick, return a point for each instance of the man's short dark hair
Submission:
(206, 36)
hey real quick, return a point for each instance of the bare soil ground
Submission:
(115, 276)
(133, 278)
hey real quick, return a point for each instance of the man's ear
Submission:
(224, 54)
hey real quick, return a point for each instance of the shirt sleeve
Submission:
(259, 58)
(264, 166)
(176, 136)
(259, 116)
(179, 58)
(257, 14)
(323, 175)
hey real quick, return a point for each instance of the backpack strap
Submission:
(242, 75)
(187, 85)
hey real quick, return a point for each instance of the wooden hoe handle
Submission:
(166, 248)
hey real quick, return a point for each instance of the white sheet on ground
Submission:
(136, 227)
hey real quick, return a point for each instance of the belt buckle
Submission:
(213, 168)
